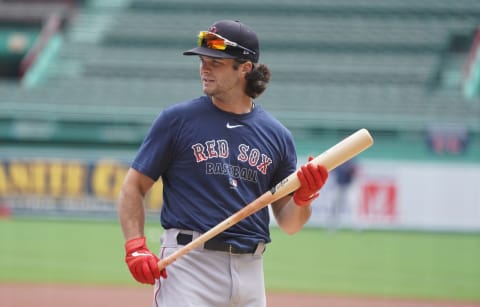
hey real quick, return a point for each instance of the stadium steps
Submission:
(299, 33)
(306, 105)
(120, 62)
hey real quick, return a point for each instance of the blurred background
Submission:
(81, 82)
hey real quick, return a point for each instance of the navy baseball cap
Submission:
(227, 39)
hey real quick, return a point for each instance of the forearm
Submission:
(290, 217)
(131, 214)
(293, 212)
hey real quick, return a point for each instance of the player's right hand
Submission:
(141, 262)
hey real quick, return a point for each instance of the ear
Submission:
(247, 67)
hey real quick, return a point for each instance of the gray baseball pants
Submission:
(205, 278)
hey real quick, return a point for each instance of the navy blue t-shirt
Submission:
(213, 163)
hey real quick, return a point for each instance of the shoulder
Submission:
(275, 133)
(183, 110)
(193, 104)
(271, 123)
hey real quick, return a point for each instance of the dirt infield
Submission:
(20, 295)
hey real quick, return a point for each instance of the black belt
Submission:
(216, 245)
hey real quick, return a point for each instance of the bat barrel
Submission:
(345, 149)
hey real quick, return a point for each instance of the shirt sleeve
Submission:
(155, 153)
(289, 160)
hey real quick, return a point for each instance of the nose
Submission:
(204, 67)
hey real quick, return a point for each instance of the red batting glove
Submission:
(312, 178)
(141, 262)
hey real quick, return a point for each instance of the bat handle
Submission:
(163, 263)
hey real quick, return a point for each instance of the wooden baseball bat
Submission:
(331, 158)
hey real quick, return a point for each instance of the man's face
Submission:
(219, 78)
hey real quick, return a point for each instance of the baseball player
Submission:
(215, 154)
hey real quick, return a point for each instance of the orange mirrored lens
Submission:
(218, 44)
(211, 41)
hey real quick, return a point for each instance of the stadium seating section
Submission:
(109, 67)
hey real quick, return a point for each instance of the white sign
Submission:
(403, 195)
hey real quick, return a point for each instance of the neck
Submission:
(239, 106)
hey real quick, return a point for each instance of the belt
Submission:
(221, 246)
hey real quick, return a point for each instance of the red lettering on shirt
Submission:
(198, 152)
(266, 161)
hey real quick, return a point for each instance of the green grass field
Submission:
(387, 264)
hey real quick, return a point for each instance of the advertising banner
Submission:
(61, 186)
(403, 195)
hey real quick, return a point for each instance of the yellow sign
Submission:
(68, 179)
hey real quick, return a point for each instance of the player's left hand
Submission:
(142, 263)
(312, 178)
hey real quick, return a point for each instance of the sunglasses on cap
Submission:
(214, 41)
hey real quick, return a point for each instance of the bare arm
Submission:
(130, 203)
(292, 212)
(289, 216)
